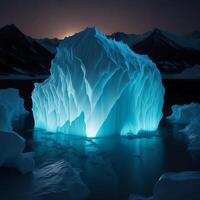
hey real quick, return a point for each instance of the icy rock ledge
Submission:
(189, 115)
(174, 186)
(11, 153)
(98, 87)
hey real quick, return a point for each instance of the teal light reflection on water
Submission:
(111, 167)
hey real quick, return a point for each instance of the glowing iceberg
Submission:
(98, 87)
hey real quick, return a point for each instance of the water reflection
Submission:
(111, 167)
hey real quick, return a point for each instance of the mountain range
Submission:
(172, 53)
(21, 54)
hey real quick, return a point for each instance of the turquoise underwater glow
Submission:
(98, 87)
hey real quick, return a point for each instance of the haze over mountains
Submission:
(21, 54)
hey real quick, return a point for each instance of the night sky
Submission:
(57, 18)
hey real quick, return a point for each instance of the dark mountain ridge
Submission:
(20, 54)
(171, 53)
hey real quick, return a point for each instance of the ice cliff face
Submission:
(98, 87)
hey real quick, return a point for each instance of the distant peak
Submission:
(157, 31)
(10, 28)
(194, 34)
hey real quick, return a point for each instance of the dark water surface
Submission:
(112, 167)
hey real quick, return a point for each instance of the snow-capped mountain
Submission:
(50, 44)
(171, 52)
(195, 35)
(20, 54)
(129, 39)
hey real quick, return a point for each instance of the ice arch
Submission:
(98, 87)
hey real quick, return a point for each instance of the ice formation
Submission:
(98, 87)
(182, 185)
(11, 107)
(11, 152)
(11, 144)
(188, 114)
(58, 180)
(184, 114)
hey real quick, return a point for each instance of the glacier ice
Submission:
(138, 197)
(11, 152)
(184, 114)
(182, 185)
(51, 180)
(98, 87)
(188, 114)
(11, 144)
(58, 180)
(11, 107)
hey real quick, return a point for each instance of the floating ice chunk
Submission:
(25, 162)
(183, 185)
(58, 181)
(11, 107)
(188, 114)
(136, 197)
(11, 148)
(50, 181)
(11, 144)
(193, 134)
(98, 87)
(174, 186)
(5, 120)
(184, 113)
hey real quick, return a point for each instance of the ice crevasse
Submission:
(98, 87)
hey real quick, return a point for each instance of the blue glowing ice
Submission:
(98, 87)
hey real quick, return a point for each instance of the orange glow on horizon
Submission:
(72, 32)
(67, 34)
